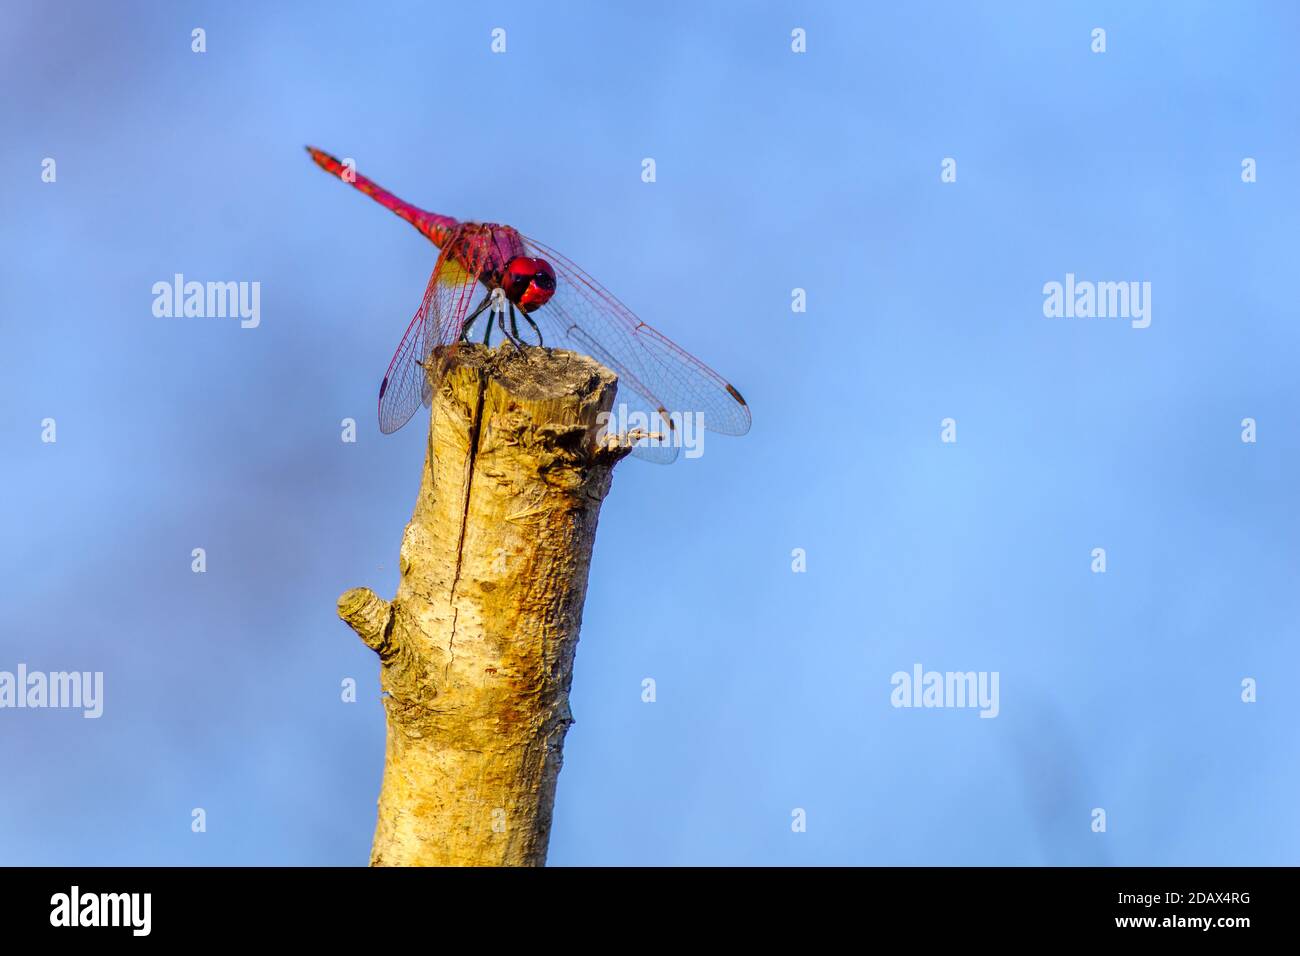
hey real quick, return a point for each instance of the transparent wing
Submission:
(454, 282)
(635, 408)
(402, 389)
(585, 316)
(447, 299)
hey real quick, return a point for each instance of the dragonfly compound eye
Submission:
(528, 282)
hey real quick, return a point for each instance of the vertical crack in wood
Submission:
(471, 461)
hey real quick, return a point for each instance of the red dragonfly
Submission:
(563, 306)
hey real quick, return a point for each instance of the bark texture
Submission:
(477, 647)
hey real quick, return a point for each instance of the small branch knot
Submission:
(368, 614)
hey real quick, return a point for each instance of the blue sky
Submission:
(775, 171)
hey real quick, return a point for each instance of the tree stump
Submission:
(477, 647)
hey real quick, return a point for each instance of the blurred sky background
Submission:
(775, 171)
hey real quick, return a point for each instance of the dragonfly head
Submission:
(527, 282)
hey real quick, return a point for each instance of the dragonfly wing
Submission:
(452, 286)
(637, 407)
(638, 404)
(402, 389)
(437, 324)
(585, 315)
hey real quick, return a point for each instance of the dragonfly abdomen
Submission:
(433, 226)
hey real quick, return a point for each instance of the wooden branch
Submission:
(477, 647)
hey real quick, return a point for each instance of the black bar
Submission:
(973, 904)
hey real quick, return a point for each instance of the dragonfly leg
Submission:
(513, 334)
(469, 321)
(527, 318)
(498, 300)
